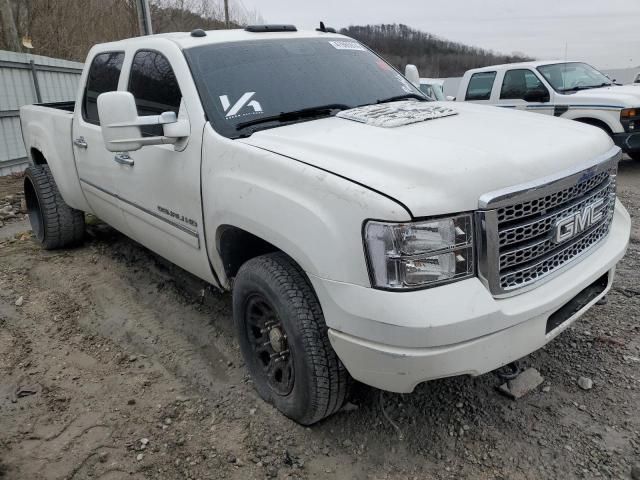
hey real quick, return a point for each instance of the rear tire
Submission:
(54, 223)
(284, 342)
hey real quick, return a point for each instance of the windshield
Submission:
(571, 77)
(433, 91)
(242, 83)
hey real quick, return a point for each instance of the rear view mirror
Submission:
(120, 124)
(411, 72)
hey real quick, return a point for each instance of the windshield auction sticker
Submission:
(342, 45)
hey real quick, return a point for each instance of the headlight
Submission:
(629, 118)
(420, 254)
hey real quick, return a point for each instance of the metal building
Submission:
(26, 79)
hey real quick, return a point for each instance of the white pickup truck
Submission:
(572, 90)
(365, 231)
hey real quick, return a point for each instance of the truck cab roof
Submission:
(511, 66)
(185, 40)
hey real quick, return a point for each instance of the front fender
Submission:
(313, 216)
(611, 118)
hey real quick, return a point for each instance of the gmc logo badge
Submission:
(568, 227)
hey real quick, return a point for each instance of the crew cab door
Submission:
(522, 89)
(158, 186)
(95, 165)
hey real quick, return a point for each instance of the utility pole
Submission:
(226, 14)
(144, 17)
(8, 22)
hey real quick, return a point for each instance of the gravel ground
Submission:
(114, 364)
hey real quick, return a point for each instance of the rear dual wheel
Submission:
(284, 342)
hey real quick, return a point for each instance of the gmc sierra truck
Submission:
(571, 90)
(365, 231)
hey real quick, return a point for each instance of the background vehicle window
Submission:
(480, 86)
(433, 91)
(154, 86)
(427, 89)
(573, 76)
(103, 76)
(518, 83)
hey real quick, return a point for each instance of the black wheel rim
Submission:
(268, 341)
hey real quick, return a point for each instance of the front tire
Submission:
(634, 156)
(284, 342)
(54, 223)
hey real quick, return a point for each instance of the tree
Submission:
(434, 56)
(11, 38)
(69, 28)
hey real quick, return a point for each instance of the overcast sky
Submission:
(605, 33)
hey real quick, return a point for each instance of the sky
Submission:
(605, 33)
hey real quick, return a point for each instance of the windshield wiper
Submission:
(319, 111)
(585, 87)
(405, 96)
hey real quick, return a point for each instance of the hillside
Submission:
(434, 56)
(69, 28)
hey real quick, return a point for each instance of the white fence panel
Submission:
(27, 79)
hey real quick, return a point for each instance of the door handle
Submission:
(123, 159)
(80, 142)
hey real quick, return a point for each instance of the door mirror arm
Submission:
(120, 124)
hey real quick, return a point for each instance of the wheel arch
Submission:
(596, 122)
(236, 246)
(38, 157)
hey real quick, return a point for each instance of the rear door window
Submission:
(103, 76)
(480, 86)
(154, 86)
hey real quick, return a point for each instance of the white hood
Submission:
(621, 96)
(445, 164)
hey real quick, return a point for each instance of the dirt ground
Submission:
(114, 364)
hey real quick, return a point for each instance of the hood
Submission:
(442, 165)
(621, 96)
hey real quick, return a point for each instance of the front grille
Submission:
(517, 226)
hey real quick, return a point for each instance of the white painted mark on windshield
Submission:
(243, 101)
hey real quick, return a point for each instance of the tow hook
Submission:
(509, 371)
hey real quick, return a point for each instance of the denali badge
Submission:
(576, 223)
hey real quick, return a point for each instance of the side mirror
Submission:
(536, 96)
(411, 72)
(120, 124)
(450, 98)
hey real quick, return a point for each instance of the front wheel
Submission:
(284, 342)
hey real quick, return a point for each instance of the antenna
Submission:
(325, 29)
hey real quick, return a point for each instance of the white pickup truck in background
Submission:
(364, 230)
(572, 90)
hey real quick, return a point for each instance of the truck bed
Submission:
(47, 131)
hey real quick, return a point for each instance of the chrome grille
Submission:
(517, 248)
(549, 201)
